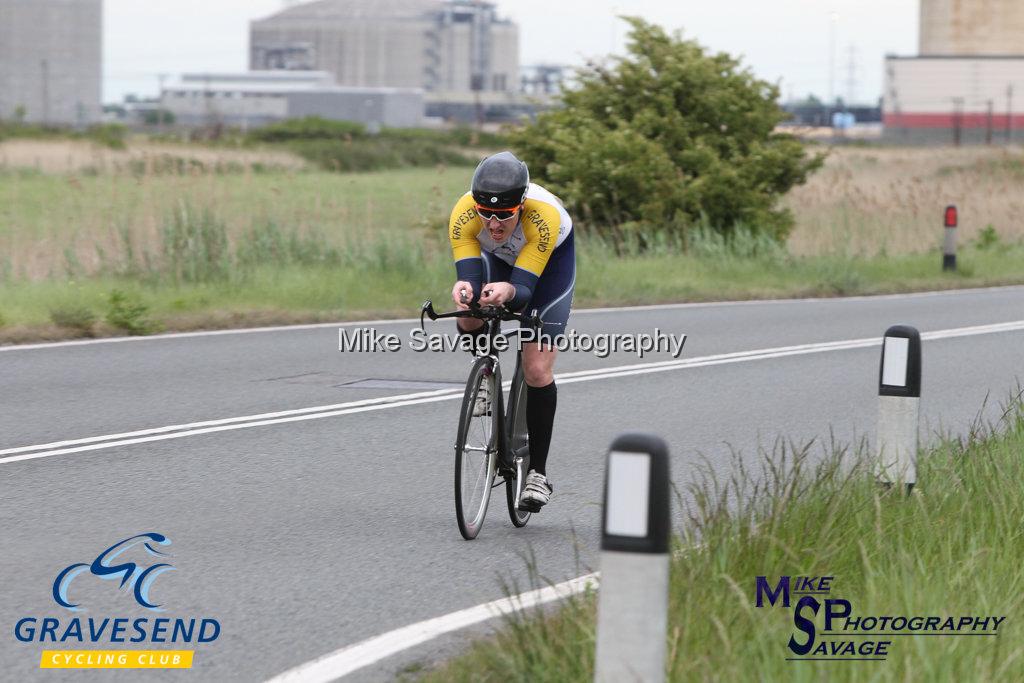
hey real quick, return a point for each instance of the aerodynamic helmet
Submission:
(500, 181)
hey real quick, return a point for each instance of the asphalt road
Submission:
(300, 536)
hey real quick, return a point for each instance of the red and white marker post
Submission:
(949, 245)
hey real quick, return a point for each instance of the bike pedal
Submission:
(529, 507)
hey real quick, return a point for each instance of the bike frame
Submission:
(512, 428)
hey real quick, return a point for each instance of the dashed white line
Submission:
(94, 443)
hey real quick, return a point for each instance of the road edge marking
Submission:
(341, 662)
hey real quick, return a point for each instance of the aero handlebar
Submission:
(481, 313)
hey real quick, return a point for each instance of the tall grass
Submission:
(194, 246)
(54, 220)
(191, 229)
(198, 271)
(881, 201)
(956, 548)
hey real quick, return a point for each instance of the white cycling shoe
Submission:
(537, 492)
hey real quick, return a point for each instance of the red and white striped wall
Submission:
(965, 93)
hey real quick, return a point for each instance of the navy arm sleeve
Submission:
(524, 281)
(472, 271)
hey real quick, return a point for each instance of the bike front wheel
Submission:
(476, 448)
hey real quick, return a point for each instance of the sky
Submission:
(806, 46)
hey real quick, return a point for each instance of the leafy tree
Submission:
(158, 117)
(667, 139)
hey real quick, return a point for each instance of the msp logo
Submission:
(137, 578)
(848, 636)
(135, 563)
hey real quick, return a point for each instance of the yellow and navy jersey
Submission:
(543, 225)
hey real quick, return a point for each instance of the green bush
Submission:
(988, 238)
(346, 146)
(128, 314)
(309, 128)
(110, 135)
(19, 129)
(74, 317)
(158, 117)
(373, 154)
(665, 139)
(463, 136)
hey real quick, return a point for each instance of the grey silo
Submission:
(430, 44)
(51, 60)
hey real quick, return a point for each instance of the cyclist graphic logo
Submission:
(137, 577)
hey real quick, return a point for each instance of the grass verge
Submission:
(208, 239)
(291, 279)
(956, 548)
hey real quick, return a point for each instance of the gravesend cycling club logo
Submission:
(848, 635)
(137, 577)
(132, 567)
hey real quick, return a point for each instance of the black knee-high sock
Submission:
(476, 337)
(540, 418)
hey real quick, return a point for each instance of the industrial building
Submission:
(967, 83)
(460, 53)
(51, 61)
(257, 98)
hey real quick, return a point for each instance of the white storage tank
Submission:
(972, 27)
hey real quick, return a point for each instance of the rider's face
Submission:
(501, 229)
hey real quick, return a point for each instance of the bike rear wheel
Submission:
(476, 450)
(519, 446)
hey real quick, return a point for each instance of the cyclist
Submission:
(512, 242)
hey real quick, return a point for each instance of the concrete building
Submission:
(257, 98)
(51, 61)
(459, 52)
(967, 83)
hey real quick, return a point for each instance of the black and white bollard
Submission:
(899, 398)
(632, 612)
(949, 243)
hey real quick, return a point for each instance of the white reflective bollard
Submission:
(632, 611)
(899, 398)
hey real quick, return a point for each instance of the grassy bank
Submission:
(386, 281)
(192, 236)
(92, 224)
(954, 549)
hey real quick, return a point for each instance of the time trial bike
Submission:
(492, 439)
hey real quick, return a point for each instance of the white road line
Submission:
(94, 443)
(579, 311)
(202, 333)
(353, 657)
(228, 420)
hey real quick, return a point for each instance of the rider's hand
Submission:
(462, 294)
(497, 293)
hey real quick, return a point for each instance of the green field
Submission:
(955, 547)
(197, 237)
